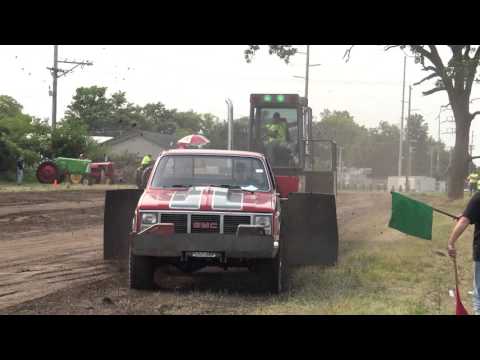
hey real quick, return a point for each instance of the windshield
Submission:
(278, 133)
(227, 171)
(269, 115)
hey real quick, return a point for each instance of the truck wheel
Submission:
(275, 273)
(271, 274)
(141, 270)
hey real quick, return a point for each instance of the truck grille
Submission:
(180, 221)
(231, 222)
(205, 224)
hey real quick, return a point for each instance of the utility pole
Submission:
(431, 161)
(54, 91)
(55, 71)
(400, 149)
(409, 145)
(438, 147)
(340, 170)
(230, 123)
(307, 71)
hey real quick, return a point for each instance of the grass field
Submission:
(35, 186)
(382, 271)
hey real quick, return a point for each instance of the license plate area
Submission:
(204, 254)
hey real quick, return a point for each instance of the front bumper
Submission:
(240, 246)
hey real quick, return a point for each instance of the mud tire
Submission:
(141, 271)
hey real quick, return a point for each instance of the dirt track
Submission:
(51, 259)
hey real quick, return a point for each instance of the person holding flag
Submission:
(415, 218)
(471, 215)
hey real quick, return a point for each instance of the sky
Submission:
(201, 77)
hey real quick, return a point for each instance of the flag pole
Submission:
(460, 309)
(445, 213)
(435, 209)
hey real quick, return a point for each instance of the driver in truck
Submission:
(277, 140)
(242, 176)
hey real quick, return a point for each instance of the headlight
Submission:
(149, 218)
(266, 222)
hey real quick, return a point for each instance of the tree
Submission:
(282, 51)
(123, 114)
(217, 133)
(91, 106)
(418, 144)
(157, 118)
(70, 139)
(456, 77)
(340, 127)
(18, 132)
(9, 106)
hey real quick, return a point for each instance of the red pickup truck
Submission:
(208, 208)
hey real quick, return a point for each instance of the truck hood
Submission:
(207, 198)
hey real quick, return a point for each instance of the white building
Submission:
(416, 184)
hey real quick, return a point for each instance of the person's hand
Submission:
(452, 252)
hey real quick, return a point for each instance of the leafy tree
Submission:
(15, 130)
(217, 133)
(91, 106)
(70, 139)
(157, 118)
(123, 114)
(340, 127)
(418, 142)
(9, 107)
(282, 51)
(455, 75)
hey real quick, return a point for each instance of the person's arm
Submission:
(457, 231)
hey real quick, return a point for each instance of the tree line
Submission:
(92, 112)
(377, 147)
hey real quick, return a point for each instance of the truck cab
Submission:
(207, 208)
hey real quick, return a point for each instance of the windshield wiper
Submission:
(179, 185)
(223, 186)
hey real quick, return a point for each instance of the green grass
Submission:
(399, 276)
(12, 187)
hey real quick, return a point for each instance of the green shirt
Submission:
(276, 132)
(146, 160)
(473, 178)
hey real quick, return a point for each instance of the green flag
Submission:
(411, 217)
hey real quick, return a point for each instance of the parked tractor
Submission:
(61, 169)
(75, 171)
(267, 210)
(102, 173)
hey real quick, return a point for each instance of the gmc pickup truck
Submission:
(208, 208)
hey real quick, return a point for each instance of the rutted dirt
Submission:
(48, 241)
(51, 260)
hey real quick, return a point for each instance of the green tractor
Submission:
(61, 168)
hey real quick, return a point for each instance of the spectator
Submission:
(20, 167)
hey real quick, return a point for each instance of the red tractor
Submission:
(102, 172)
